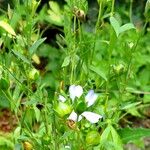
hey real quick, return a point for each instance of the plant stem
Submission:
(99, 16)
(96, 30)
(131, 4)
(112, 7)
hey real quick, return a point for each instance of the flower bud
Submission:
(63, 109)
(118, 69)
(147, 10)
(80, 14)
(92, 138)
(27, 146)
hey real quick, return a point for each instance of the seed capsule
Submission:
(63, 109)
(93, 138)
(80, 14)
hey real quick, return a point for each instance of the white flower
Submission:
(61, 98)
(75, 91)
(90, 116)
(90, 98)
(73, 116)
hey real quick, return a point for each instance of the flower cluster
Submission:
(75, 92)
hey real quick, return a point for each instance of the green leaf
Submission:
(129, 105)
(35, 45)
(4, 101)
(55, 14)
(7, 27)
(147, 10)
(80, 107)
(116, 139)
(99, 72)
(130, 134)
(20, 56)
(6, 144)
(54, 7)
(110, 138)
(126, 27)
(115, 24)
(4, 84)
(37, 113)
(66, 61)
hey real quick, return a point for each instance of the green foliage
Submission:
(7, 27)
(6, 143)
(119, 29)
(46, 47)
(132, 134)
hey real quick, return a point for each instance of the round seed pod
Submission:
(63, 109)
(92, 138)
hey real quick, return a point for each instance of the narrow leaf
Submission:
(55, 7)
(7, 27)
(36, 44)
(99, 72)
(126, 27)
(129, 105)
(20, 56)
(115, 24)
(66, 61)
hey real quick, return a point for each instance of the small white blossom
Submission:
(73, 116)
(90, 98)
(75, 91)
(91, 117)
(61, 98)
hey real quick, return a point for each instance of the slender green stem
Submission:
(96, 31)
(99, 17)
(133, 50)
(131, 4)
(112, 7)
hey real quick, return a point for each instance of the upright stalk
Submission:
(112, 7)
(131, 4)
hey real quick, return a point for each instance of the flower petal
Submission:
(75, 91)
(73, 116)
(78, 91)
(92, 117)
(71, 92)
(61, 98)
(90, 98)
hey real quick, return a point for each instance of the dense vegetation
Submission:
(74, 74)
